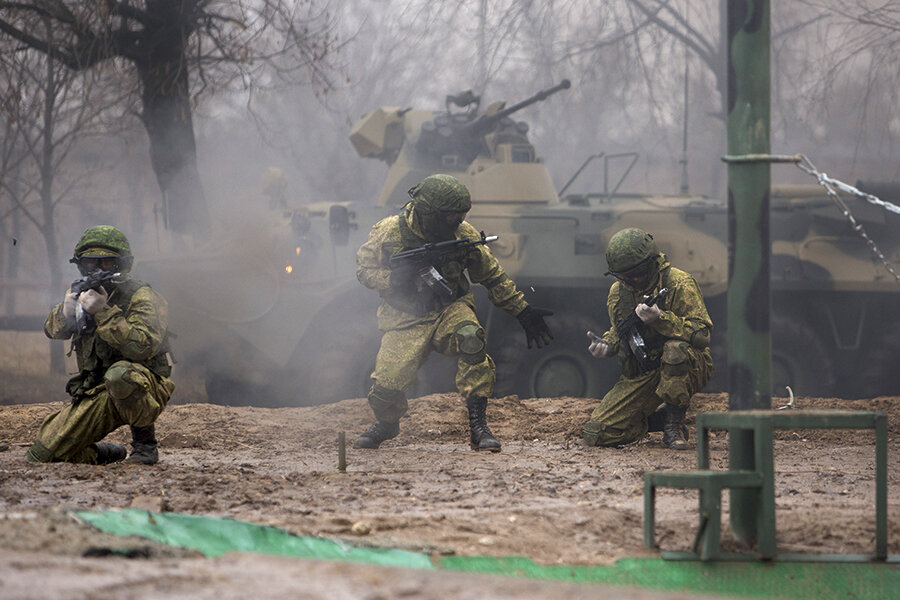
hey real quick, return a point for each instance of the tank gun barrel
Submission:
(487, 122)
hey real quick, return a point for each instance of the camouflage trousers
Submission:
(621, 417)
(455, 332)
(129, 395)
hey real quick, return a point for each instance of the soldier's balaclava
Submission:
(103, 241)
(435, 201)
(632, 257)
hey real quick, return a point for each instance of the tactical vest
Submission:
(95, 356)
(425, 300)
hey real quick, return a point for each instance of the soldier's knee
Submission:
(676, 358)
(674, 382)
(39, 453)
(595, 433)
(122, 380)
(469, 340)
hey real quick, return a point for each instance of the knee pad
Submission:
(700, 339)
(675, 361)
(675, 374)
(121, 380)
(469, 337)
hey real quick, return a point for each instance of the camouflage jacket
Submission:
(132, 326)
(683, 317)
(403, 308)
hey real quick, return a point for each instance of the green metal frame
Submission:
(759, 425)
(710, 484)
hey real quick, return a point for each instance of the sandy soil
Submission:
(545, 496)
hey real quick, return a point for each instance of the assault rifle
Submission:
(424, 260)
(629, 332)
(84, 321)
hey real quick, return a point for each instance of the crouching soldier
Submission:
(118, 330)
(417, 319)
(676, 332)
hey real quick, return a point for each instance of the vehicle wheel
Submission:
(880, 376)
(799, 360)
(564, 368)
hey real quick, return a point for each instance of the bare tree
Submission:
(47, 110)
(173, 51)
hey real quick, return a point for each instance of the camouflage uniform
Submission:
(123, 374)
(416, 321)
(677, 343)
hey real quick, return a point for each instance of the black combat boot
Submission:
(675, 433)
(377, 433)
(107, 453)
(657, 419)
(143, 445)
(480, 437)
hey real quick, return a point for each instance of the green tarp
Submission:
(790, 581)
(214, 537)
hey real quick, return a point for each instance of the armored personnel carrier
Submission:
(311, 337)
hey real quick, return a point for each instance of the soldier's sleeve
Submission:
(685, 316)
(138, 332)
(615, 315)
(484, 268)
(57, 327)
(371, 268)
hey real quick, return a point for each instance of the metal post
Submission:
(342, 451)
(749, 244)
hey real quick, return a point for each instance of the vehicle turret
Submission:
(485, 150)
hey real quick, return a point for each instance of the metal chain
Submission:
(827, 182)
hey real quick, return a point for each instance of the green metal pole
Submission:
(749, 301)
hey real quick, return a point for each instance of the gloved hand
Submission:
(645, 313)
(93, 301)
(69, 305)
(532, 321)
(598, 348)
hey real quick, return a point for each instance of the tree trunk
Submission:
(173, 152)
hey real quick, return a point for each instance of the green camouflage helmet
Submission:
(628, 248)
(441, 192)
(102, 241)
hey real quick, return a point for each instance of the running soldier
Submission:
(417, 319)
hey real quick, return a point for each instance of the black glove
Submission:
(532, 321)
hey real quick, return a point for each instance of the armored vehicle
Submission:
(311, 336)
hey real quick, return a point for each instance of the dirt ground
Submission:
(545, 496)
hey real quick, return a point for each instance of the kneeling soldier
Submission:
(676, 332)
(118, 330)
